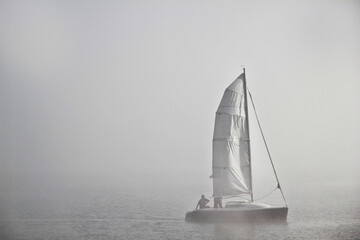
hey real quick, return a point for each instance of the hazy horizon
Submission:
(126, 92)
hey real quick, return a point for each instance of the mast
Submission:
(248, 131)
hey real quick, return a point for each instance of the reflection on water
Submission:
(250, 231)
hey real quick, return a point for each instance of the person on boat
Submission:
(218, 202)
(202, 202)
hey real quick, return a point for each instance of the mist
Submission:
(124, 94)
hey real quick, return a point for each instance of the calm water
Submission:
(98, 212)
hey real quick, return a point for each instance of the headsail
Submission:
(231, 146)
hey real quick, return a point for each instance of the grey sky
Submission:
(129, 89)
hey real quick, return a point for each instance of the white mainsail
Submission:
(231, 146)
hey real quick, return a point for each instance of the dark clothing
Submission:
(218, 202)
(202, 203)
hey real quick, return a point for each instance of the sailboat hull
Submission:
(238, 214)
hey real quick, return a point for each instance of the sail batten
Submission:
(231, 147)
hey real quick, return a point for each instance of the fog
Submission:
(126, 92)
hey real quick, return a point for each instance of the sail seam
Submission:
(228, 114)
(230, 90)
(231, 139)
(231, 167)
(230, 106)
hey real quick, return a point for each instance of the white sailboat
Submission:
(231, 164)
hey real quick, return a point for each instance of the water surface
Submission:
(83, 211)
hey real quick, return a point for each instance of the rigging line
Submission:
(267, 149)
(266, 194)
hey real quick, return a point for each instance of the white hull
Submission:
(245, 213)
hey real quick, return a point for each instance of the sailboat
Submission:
(231, 164)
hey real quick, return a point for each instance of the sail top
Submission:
(237, 85)
(231, 148)
(232, 98)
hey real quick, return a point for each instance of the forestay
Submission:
(231, 148)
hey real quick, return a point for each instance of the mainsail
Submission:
(231, 144)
